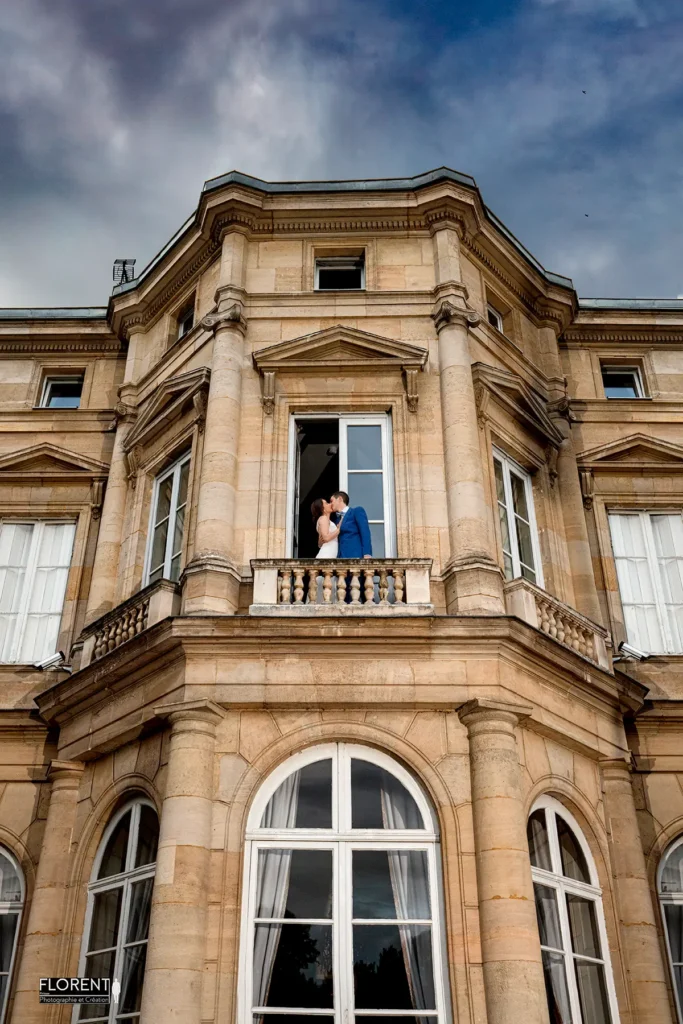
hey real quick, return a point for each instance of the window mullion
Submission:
(120, 941)
(342, 945)
(570, 968)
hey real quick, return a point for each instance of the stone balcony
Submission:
(317, 586)
(540, 609)
(150, 605)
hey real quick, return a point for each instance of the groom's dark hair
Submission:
(343, 495)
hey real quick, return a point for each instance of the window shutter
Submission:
(15, 546)
(48, 588)
(635, 582)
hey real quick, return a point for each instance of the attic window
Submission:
(622, 382)
(340, 273)
(185, 319)
(62, 392)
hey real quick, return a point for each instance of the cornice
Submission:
(641, 336)
(31, 343)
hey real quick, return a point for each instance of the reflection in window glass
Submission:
(168, 523)
(378, 800)
(537, 836)
(515, 516)
(671, 899)
(304, 800)
(11, 906)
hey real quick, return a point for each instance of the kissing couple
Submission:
(343, 532)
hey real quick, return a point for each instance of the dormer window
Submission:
(494, 317)
(340, 273)
(185, 319)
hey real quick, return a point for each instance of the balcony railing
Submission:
(321, 586)
(559, 621)
(129, 619)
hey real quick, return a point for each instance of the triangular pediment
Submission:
(517, 398)
(48, 460)
(339, 347)
(637, 450)
(171, 399)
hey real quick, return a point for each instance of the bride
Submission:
(328, 532)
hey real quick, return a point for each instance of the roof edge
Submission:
(645, 304)
(342, 185)
(54, 313)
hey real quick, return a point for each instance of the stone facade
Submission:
(492, 691)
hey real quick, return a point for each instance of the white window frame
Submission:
(638, 380)
(562, 885)
(340, 263)
(645, 516)
(182, 315)
(17, 908)
(670, 898)
(383, 420)
(50, 380)
(174, 471)
(22, 612)
(498, 316)
(342, 840)
(124, 880)
(510, 466)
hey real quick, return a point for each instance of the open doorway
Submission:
(317, 472)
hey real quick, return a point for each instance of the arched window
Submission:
(12, 898)
(117, 917)
(342, 909)
(670, 886)
(578, 977)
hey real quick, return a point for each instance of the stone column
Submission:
(637, 917)
(177, 933)
(211, 580)
(47, 914)
(576, 531)
(510, 944)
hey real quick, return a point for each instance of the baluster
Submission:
(298, 586)
(285, 586)
(562, 629)
(398, 586)
(112, 636)
(327, 586)
(383, 586)
(141, 618)
(341, 585)
(312, 585)
(145, 614)
(369, 585)
(355, 585)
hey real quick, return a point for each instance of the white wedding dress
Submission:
(330, 548)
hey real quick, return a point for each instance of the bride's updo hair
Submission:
(317, 510)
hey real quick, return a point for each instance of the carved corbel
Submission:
(268, 393)
(231, 317)
(200, 401)
(482, 398)
(410, 382)
(96, 498)
(448, 314)
(133, 460)
(587, 488)
(551, 454)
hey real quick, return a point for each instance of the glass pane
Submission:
(528, 573)
(148, 836)
(364, 446)
(678, 981)
(64, 393)
(295, 883)
(174, 573)
(8, 927)
(179, 530)
(164, 493)
(379, 800)
(159, 547)
(509, 569)
(388, 1019)
(573, 861)
(519, 496)
(290, 1018)
(583, 926)
(619, 384)
(101, 965)
(365, 489)
(140, 906)
(10, 883)
(293, 965)
(673, 914)
(672, 875)
(500, 483)
(554, 972)
(526, 553)
(592, 992)
(392, 967)
(378, 542)
(133, 974)
(114, 856)
(548, 916)
(304, 800)
(537, 835)
(391, 884)
(182, 483)
(104, 926)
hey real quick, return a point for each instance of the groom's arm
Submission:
(364, 530)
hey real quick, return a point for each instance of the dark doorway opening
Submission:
(317, 476)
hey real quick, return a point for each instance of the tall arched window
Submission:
(12, 897)
(117, 917)
(571, 923)
(670, 884)
(342, 909)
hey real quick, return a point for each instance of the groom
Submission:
(354, 531)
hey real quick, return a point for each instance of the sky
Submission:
(569, 114)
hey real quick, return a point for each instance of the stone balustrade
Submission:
(335, 586)
(557, 620)
(151, 604)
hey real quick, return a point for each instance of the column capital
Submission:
(447, 314)
(483, 709)
(198, 712)
(226, 318)
(618, 768)
(66, 771)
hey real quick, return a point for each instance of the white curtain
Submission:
(635, 582)
(273, 885)
(409, 873)
(668, 535)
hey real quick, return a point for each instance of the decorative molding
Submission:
(47, 461)
(37, 344)
(636, 452)
(96, 498)
(342, 225)
(447, 314)
(170, 401)
(200, 400)
(517, 398)
(268, 395)
(231, 317)
(587, 488)
(410, 381)
(133, 459)
(339, 347)
(577, 335)
(551, 456)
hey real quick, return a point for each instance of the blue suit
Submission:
(354, 534)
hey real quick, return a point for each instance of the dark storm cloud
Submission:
(112, 115)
